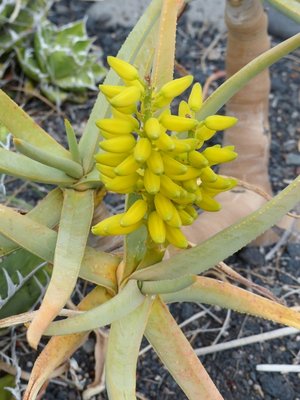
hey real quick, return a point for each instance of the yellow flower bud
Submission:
(111, 90)
(185, 217)
(220, 183)
(208, 203)
(203, 133)
(156, 227)
(190, 185)
(168, 186)
(151, 182)
(120, 184)
(197, 160)
(152, 128)
(118, 144)
(219, 122)
(178, 124)
(184, 110)
(186, 198)
(175, 221)
(176, 87)
(142, 150)
(155, 163)
(172, 166)
(135, 213)
(119, 115)
(128, 110)
(191, 211)
(111, 226)
(116, 125)
(190, 173)
(165, 142)
(184, 145)
(217, 154)
(110, 159)
(135, 83)
(127, 166)
(106, 170)
(176, 237)
(195, 98)
(208, 175)
(127, 97)
(123, 69)
(164, 207)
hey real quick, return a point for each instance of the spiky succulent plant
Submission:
(62, 61)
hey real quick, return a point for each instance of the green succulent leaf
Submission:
(118, 307)
(72, 142)
(7, 381)
(176, 353)
(97, 266)
(22, 126)
(210, 291)
(124, 342)
(25, 168)
(23, 277)
(46, 212)
(168, 285)
(74, 227)
(136, 47)
(240, 79)
(209, 253)
(291, 8)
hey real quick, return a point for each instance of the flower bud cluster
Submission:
(148, 151)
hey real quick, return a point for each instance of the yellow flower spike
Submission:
(126, 98)
(110, 91)
(142, 150)
(184, 145)
(135, 213)
(176, 87)
(185, 217)
(165, 142)
(151, 182)
(184, 110)
(203, 133)
(152, 128)
(110, 159)
(172, 166)
(119, 115)
(164, 207)
(122, 183)
(156, 228)
(127, 166)
(170, 187)
(208, 203)
(219, 122)
(175, 221)
(106, 170)
(155, 163)
(197, 160)
(191, 173)
(178, 124)
(118, 144)
(191, 211)
(175, 237)
(217, 154)
(123, 69)
(111, 226)
(208, 175)
(190, 185)
(116, 125)
(195, 98)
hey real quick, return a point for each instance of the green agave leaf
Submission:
(210, 291)
(74, 227)
(168, 285)
(22, 126)
(23, 167)
(225, 243)
(176, 353)
(97, 266)
(47, 212)
(89, 181)
(22, 279)
(291, 8)
(60, 348)
(118, 307)
(124, 342)
(237, 81)
(72, 141)
(70, 167)
(132, 49)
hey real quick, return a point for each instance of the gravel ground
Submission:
(233, 371)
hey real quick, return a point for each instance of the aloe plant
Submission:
(132, 289)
